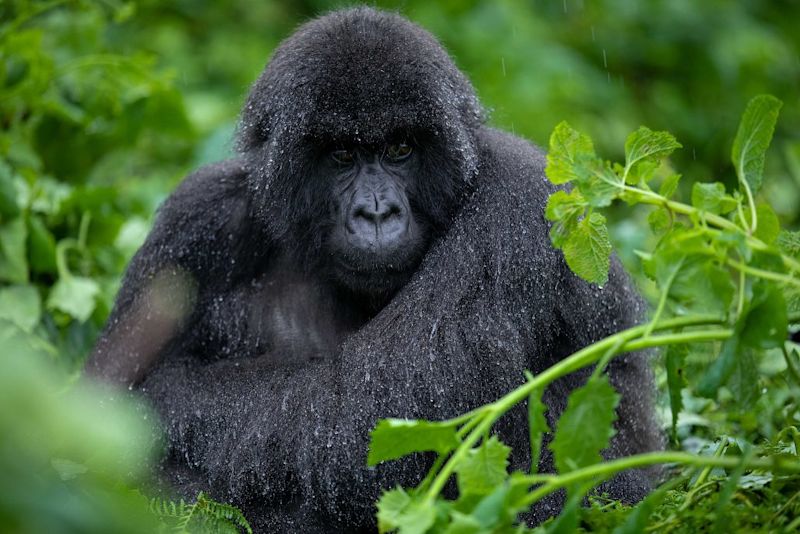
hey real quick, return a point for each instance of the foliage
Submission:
(62, 471)
(723, 277)
(88, 135)
(203, 515)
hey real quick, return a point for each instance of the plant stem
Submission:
(608, 469)
(629, 340)
(761, 273)
(650, 197)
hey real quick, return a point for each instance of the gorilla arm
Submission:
(181, 258)
(491, 299)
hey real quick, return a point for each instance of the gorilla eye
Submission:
(399, 151)
(345, 157)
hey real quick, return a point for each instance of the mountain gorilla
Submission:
(375, 251)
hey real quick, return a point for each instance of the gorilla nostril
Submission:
(377, 215)
(394, 211)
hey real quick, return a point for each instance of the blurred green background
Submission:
(106, 105)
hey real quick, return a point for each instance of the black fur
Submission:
(287, 441)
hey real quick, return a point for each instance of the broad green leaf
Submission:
(8, 192)
(588, 249)
(464, 524)
(744, 381)
(484, 468)
(700, 285)
(669, 185)
(644, 151)
(564, 209)
(537, 427)
(74, 295)
(769, 227)
(41, 246)
(660, 221)
(395, 438)
(13, 259)
(712, 198)
(720, 370)
(390, 508)
(567, 146)
(21, 305)
(491, 510)
(586, 426)
(762, 325)
(766, 322)
(417, 518)
(753, 139)
(597, 182)
(676, 381)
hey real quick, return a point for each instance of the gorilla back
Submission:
(375, 251)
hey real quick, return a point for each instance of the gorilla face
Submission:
(376, 239)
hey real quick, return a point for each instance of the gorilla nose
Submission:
(377, 221)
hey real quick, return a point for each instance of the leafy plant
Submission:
(728, 279)
(204, 515)
(90, 137)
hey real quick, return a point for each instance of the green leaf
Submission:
(789, 243)
(395, 438)
(21, 305)
(13, 260)
(644, 151)
(537, 427)
(660, 220)
(463, 524)
(564, 209)
(676, 381)
(720, 370)
(74, 295)
(700, 285)
(41, 246)
(753, 139)
(567, 146)
(744, 381)
(769, 227)
(8, 192)
(763, 324)
(586, 426)
(766, 322)
(588, 249)
(669, 185)
(484, 467)
(712, 198)
(390, 508)
(417, 518)
(597, 182)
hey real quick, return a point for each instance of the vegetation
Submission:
(105, 105)
(728, 281)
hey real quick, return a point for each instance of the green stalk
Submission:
(608, 469)
(761, 273)
(629, 340)
(649, 197)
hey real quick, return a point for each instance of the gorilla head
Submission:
(371, 141)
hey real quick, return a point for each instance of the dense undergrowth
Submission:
(95, 129)
(729, 282)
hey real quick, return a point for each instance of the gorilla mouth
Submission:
(370, 272)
